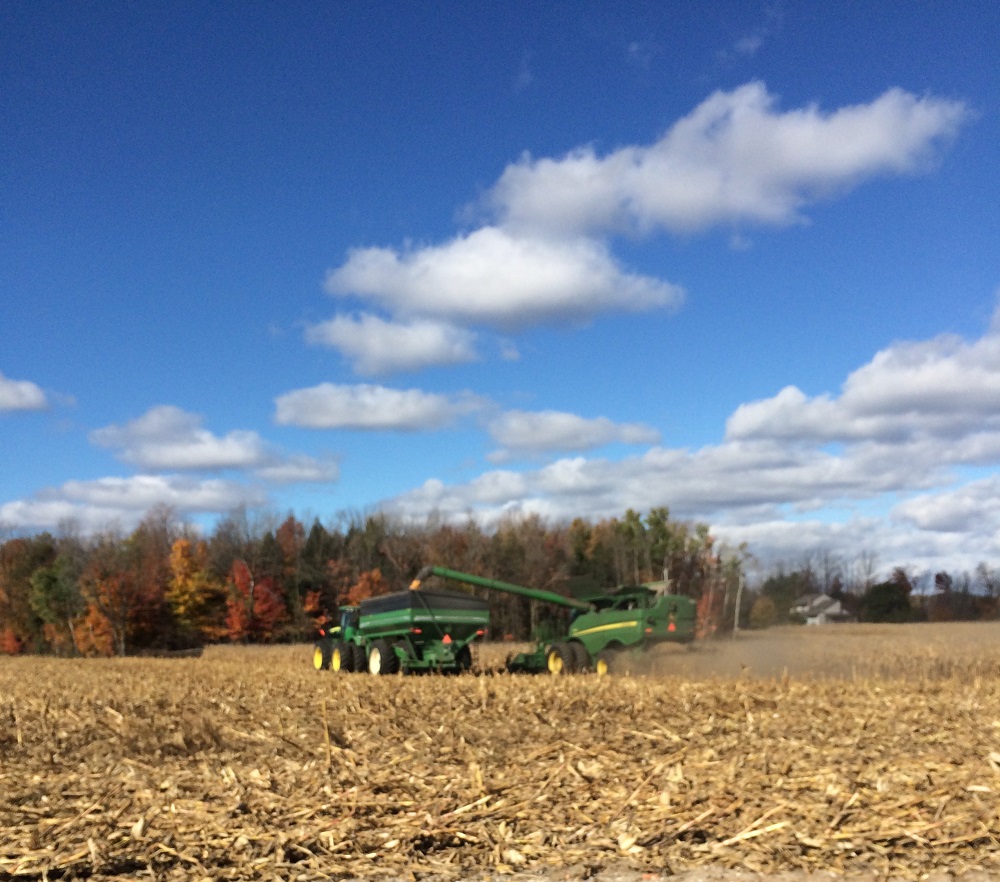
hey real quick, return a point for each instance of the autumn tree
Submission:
(108, 586)
(195, 598)
(146, 557)
(254, 608)
(369, 584)
(20, 622)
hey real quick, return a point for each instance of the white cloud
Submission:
(167, 438)
(973, 508)
(519, 430)
(880, 466)
(545, 258)
(496, 278)
(940, 390)
(299, 469)
(367, 407)
(96, 505)
(734, 158)
(21, 395)
(698, 484)
(377, 347)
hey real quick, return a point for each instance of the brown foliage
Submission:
(369, 584)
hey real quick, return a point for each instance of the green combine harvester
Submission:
(408, 631)
(606, 627)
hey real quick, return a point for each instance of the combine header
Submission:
(605, 626)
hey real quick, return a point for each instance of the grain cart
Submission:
(408, 631)
(604, 627)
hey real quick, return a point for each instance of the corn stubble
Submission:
(871, 750)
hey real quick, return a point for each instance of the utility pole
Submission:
(739, 601)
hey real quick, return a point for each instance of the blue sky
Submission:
(737, 259)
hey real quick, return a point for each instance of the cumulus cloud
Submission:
(99, 504)
(946, 388)
(972, 508)
(376, 347)
(166, 437)
(523, 431)
(21, 395)
(500, 279)
(694, 484)
(544, 257)
(369, 407)
(882, 465)
(734, 158)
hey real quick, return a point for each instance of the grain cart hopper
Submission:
(604, 626)
(407, 631)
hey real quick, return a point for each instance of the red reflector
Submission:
(480, 633)
(322, 633)
(649, 630)
(416, 631)
(446, 639)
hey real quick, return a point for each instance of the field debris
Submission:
(247, 764)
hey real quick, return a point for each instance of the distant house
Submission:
(818, 609)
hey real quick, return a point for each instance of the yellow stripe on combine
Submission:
(610, 627)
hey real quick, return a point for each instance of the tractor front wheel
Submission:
(322, 655)
(342, 661)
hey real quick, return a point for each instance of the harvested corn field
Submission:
(864, 750)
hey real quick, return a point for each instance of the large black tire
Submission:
(382, 659)
(322, 651)
(560, 659)
(581, 658)
(359, 658)
(342, 659)
(463, 660)
(606, 662)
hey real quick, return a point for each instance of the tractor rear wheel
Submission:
(382, 659)
(321, 655)
(359, 658)
(342, 661)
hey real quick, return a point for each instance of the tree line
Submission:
(167, 586)
(904, 596)
(256, 578)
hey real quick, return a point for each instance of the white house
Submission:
(818, 609)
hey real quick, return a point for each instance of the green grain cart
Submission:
(605, 627)
(407, 631)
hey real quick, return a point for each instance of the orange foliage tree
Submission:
(254, 608)
(369, 584)
(192, 592)
(10, 643)
(94, 634)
